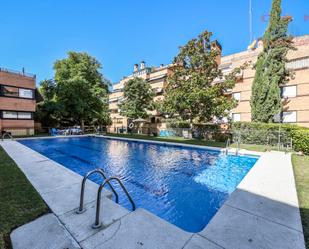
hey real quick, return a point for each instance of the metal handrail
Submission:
(227, 146)
(238, 145)
(8, 134)
(97, 223)
(81, 208)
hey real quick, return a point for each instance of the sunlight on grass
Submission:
(19, 201)
(301, 171)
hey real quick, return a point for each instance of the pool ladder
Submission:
(228, 145)
(6, 134)
(81, 209)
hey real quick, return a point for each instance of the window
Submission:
(24, 115)
(113, 110)
(289, 117)
(236, 96)
(286, 117)
(16, 115)
(298, 63)
(236, 117)
(12, 91)
(119, 120)
(113, 100)
(26, 93)
(288, 91)
(227, 69)
(7, 114)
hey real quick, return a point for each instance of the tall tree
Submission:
(192, 91)
(137, 99)
(82, 91)
(48, 112)
(270, 67)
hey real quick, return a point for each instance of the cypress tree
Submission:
(270, 68)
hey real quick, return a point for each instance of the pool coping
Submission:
(239, 204)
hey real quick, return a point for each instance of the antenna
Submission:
(250, 21)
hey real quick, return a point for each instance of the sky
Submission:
(119, 33)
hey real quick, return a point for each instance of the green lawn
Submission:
(19, 201)
(301, 171)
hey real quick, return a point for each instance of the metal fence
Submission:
(278, 139)
(22, 73)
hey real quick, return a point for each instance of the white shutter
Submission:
(289, 91)
(289, 117)
(236, 96)
(236, 117)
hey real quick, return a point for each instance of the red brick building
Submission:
(17, 102)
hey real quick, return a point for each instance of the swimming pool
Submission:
(185, 186)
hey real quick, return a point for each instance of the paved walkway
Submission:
(262, 213)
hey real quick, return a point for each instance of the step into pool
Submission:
(185, 186)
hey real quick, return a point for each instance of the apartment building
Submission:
(156, 76)
(295, 94)
(17, 102)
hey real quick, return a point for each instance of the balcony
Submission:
(23, 73)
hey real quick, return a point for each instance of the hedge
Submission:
(301, 140)
(268, 133)
(176, 123)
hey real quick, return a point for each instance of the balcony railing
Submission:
(21, 73)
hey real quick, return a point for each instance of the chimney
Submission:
(135, 68)
(142, 65)
(217, 46)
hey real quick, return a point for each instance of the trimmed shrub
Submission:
(263, 133)
(301, 140)
(175, 123)
(268, 133)
(212, 132)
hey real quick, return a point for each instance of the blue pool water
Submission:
(181, 185)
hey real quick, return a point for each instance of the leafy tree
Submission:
(82, 91)
(191, 92)
(270, 67)
(48, 111)
(48, 90)
(137, 99)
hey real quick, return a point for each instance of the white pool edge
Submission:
(254, 173)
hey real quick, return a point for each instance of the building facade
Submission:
(295, 94)
(17, 102)
(156, 76)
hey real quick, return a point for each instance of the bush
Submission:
(175, 123)
(301, 140)
(211, 132)
(268, 133)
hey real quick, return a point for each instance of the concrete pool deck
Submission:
(261, 213)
